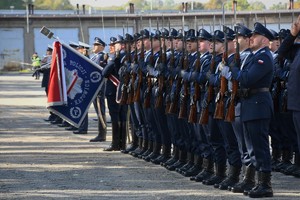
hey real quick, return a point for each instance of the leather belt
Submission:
(257, 90)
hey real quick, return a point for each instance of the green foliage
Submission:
(257, 5)
(18, 4)
(53, 4)
(280, 6)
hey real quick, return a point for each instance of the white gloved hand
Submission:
(226, 73)
(220, 66)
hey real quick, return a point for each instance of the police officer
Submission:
(290, 49)
(100, 58)
(215, 134)
(191, 142)
(144, 46)
(117, 112)
(242, 42)
(46, 62)
(175, 125)
(257, 107)
(154, 129)
(83, 48)
(204, 150)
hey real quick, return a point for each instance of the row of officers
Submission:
(204, 104)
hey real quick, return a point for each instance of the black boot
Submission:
(287, 156)
(193, 171)
(294, 167)
(166, 155)
(296, 172)
(220, 175)
(207, 172)
(231, 180)
(138, 150)
(123, 135)
(181, 161)
(102, 131)
(276, 156)
(148, 145)
(64, 124)
(114, 146)
(189, 164)
(248, 182)
(155, 153)
(264, 187)
(134, 143)
(174, 158)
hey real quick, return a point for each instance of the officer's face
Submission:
(274, 45)
(178, 44)
(243, 42)
(155, 44)
(219, 47)
(258, 41)
(147, 44)
(48, 53)
(203, 45)
(111, 49)
(97, 48)
(139, 45)
(191, 46)
(231, 47)
(118, 46)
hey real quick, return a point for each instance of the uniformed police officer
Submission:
(257, 107)
(100, 58)
(117, 112)
(83, 129)
(290, 49)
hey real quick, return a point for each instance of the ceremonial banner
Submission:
(74, 83)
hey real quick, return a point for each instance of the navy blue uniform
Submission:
(257, 106)
(292, 51)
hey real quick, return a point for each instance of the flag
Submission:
(56, 91)
(74, 83)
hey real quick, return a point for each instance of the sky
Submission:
(106, 3)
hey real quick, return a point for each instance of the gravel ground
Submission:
(43, 161)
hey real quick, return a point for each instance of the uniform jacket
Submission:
(291, 51)
(256, 73)
(112, 68)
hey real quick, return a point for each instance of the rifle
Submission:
(147, 100)
(161, 78)
(133, 76)
(125, 86)
(230, 114)
(137, 91)
(170, 78)
(196, 97)
(204, 116)
(183, 105)
(219, 112)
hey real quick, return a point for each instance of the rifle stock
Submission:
(193, 109)
(219, 112)
(230, 114)
(204, 115)
(137, 91)
(183, 105)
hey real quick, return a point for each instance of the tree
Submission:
(257, 5)
(53, 4)
(280, 6)
(17, 4)
(214, 4)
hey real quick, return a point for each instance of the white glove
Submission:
(220, 66)
(226, 73)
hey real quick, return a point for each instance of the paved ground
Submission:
(43, 161)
